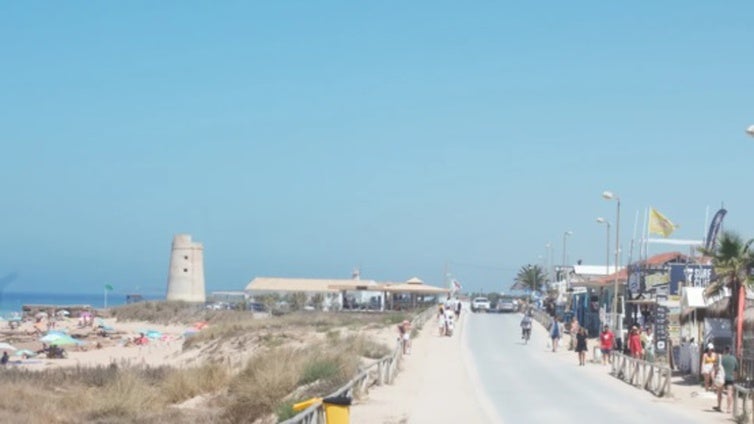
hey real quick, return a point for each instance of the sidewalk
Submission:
(436, 370)
(687, 395)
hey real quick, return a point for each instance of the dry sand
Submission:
(167, 350)
(437, 377)
(164, 351)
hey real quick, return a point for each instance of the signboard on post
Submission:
(661, 330)
(692, 275)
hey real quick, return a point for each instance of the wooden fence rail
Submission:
(742, 404)
(655, 378)
(382, 371)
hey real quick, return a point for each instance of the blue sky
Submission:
(306, 138)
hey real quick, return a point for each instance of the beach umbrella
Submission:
(63, 312)
(48, 338)
(153, 334)
(25, 352)
(65, 341)
(41, 315)
(6, 346)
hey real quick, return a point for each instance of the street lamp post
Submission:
(565, 236)
(617, 324)
(565, 257)
(602, 220)
(548, 247)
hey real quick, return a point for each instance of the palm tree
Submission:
(732, 261)
(531, 277)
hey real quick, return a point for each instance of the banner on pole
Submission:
(714, 229)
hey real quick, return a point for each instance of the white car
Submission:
(480, 304)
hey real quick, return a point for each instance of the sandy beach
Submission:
(116, 347)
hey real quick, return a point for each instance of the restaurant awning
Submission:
(415, 286)
(693, 297)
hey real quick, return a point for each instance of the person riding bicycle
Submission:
(526, 326)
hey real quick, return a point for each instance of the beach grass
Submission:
(233, 324)
(292, 358)
(270, 379)
(161, 312)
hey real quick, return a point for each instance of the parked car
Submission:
(480, 304)
(257, 307)
(506, 306)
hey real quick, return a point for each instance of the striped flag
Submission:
(660, 224)
(456, 285)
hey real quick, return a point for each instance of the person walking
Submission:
(581, 347)
(634, 343)
(648, 342)
(404, 336)
(441, 321)
(607, 339)
(574, 331)
(708, 366)
(728, 366)
(526, 327)
(555, 334)
(449, 322)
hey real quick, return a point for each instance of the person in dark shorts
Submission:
(607, 339)
(555, 331)
(581, 346)
(729, 366)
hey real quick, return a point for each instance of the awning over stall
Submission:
(693, 298)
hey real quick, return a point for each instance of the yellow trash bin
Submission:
(337, 410)
(298, 407)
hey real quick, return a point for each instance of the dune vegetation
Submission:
(280, 371)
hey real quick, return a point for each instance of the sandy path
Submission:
(437, 383)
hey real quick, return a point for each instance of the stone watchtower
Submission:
(186, 274)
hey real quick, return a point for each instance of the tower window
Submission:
(185, 257)
(185, 269)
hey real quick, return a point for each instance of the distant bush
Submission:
(161, 312)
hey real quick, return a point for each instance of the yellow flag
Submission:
(660, 224)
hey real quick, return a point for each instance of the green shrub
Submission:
(319, 369)
(285, 410)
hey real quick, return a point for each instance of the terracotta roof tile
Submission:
(652, 261)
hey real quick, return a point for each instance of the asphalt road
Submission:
(529, 383)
